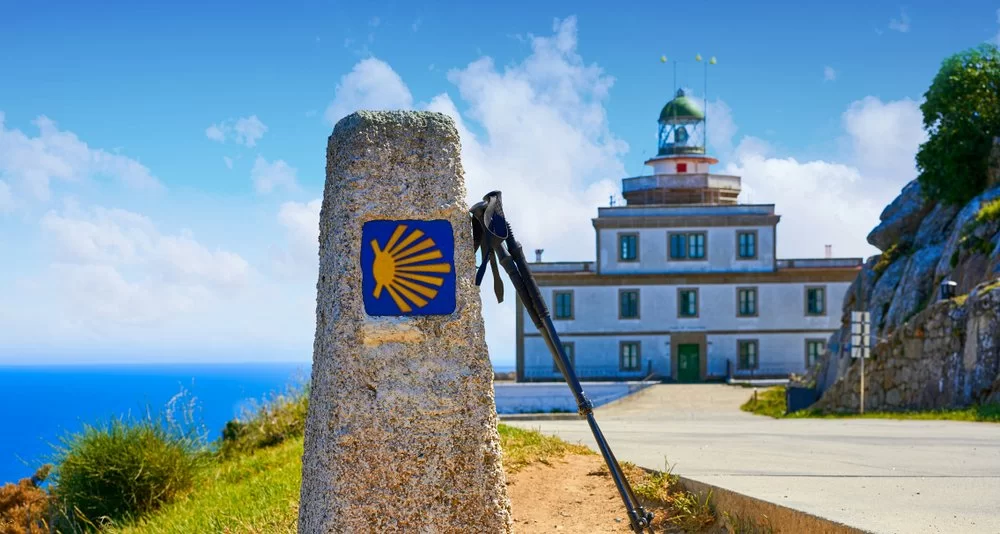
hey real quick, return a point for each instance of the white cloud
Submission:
(371, 84)
(113, 267)
(299, 258)
(269, 176)
(829, 74)
(31, 163)
(245, 131)
(228, 161)
(545, 143)
(836, 203)
(215, 133)
(884, 137)
(720, 127)
(248, 130)
(902, 24)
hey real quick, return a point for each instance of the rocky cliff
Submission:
(929, 351)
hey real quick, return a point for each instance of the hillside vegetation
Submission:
(155, 475)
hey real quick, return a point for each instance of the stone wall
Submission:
(945, 356)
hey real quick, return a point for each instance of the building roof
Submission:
(681, 109)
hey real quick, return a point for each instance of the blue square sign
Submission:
(408, 267)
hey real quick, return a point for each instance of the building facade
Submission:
(686, 284)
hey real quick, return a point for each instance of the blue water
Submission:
(40, 404)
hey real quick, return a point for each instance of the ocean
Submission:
(40, 404)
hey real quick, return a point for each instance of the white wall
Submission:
(597, 356)
(720, 251)
(780, 306)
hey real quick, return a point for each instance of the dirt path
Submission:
(566, 496)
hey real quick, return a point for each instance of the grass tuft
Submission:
(660, 492)
(525, 447)
(280, 418)
(771, 402)
(125, 468)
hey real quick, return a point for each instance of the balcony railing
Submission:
(681, 181)
(814, 263)
(563, 267)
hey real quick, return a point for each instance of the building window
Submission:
(815, 301)
(569, 348)
(814, 348)
(563, 304)
(687, 302)
(746, 299)
(747, 355)
(746, 243)
(687, 246)
(682, 167)
(628, 304)
(629, 356)
(628, 247)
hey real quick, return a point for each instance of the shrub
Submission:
(124, 469)
(891, 254)
(961, 113)
(24, 506)
(989, 212)
(267, 424)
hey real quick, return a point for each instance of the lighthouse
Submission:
(682, 167)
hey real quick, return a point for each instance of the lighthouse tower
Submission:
(681, 173)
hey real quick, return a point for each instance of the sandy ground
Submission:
(566, 496)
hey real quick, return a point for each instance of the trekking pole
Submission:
(492, 235)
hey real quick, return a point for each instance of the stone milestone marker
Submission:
(401, 433)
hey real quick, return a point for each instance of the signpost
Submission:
(861, 344)
(401, 434)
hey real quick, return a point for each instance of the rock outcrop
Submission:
(923, 244)
(947, 356)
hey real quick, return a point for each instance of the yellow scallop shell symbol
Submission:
(400, 269)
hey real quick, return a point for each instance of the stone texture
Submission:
(947, 356)
(966, 214)
(882, 293)
(916, 286)
(901, 218)
(936, 225)
(401, 433)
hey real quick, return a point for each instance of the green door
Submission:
(688, 363)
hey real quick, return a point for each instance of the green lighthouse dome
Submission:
(681, 110)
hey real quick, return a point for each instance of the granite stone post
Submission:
(401, 434)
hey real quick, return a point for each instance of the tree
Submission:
(962, 116)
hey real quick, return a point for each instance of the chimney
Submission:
(829, 251)
(538, 255)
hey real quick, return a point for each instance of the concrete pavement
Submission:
(882, 476)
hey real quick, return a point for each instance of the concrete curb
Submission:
(539, 417)
(763, 513)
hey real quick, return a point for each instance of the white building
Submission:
(686, 285)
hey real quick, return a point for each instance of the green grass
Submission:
(771, 402)
(125, 468)
(524, 447)
(256, 492)
(259, 492)
(269, 423)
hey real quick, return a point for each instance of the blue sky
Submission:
(164, 209)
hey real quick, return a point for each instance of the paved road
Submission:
(878, 475)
